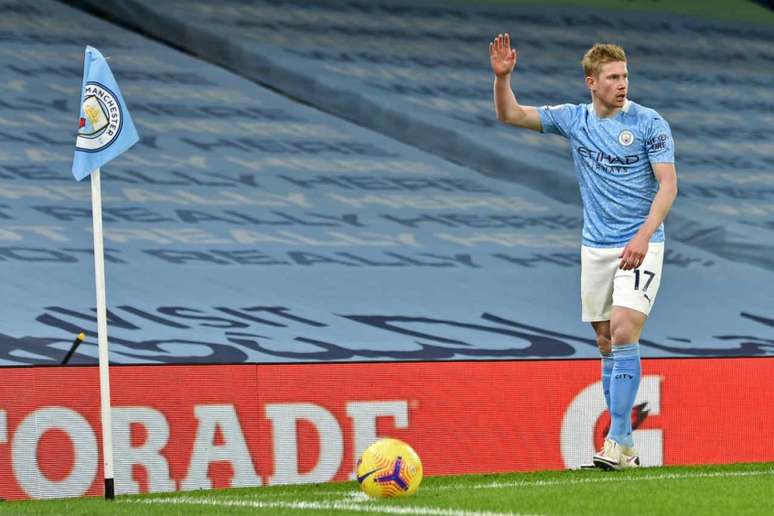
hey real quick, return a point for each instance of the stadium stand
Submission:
(418, 72)
(239, 201)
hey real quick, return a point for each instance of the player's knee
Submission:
(604, 344)
(602, 331)
(625, 334)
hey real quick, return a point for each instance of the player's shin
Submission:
(607, 372)
(624, 383)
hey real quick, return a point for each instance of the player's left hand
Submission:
(634, 253)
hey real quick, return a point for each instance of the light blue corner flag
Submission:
(105, 129)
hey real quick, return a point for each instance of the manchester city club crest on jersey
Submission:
(626, 137)
(102, 119)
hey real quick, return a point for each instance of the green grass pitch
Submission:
(732, 489)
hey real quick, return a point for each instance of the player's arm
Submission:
(503, 60)
(637, 248)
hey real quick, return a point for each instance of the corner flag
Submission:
(104, 132)
(105, 129)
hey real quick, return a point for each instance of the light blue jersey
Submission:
(613, 162)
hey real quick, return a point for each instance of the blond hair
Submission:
(599, 54)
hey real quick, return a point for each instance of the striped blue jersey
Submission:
(613, 163)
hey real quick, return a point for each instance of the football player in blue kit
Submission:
(624, 162)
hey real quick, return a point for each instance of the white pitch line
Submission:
(610, 478)
(320, 506)
(357, 502)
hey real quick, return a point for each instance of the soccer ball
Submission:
(388, 468)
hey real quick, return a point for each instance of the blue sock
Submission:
(624, 383)
(607, 371)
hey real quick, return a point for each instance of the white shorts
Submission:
(604, 285)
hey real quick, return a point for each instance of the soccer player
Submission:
(624, 162)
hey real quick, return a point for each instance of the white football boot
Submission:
(613, 456)
(632, 457)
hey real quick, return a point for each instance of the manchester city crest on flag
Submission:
(105, 127)
(102, 118)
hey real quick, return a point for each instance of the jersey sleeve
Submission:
(557, 119)
(659, 143)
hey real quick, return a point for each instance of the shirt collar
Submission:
(624, 109)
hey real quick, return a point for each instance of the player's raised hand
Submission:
(501, 56)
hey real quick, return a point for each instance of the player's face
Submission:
(611, 85)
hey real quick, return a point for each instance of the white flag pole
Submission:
(104, 373)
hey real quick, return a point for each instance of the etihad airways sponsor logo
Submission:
(607, 159)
